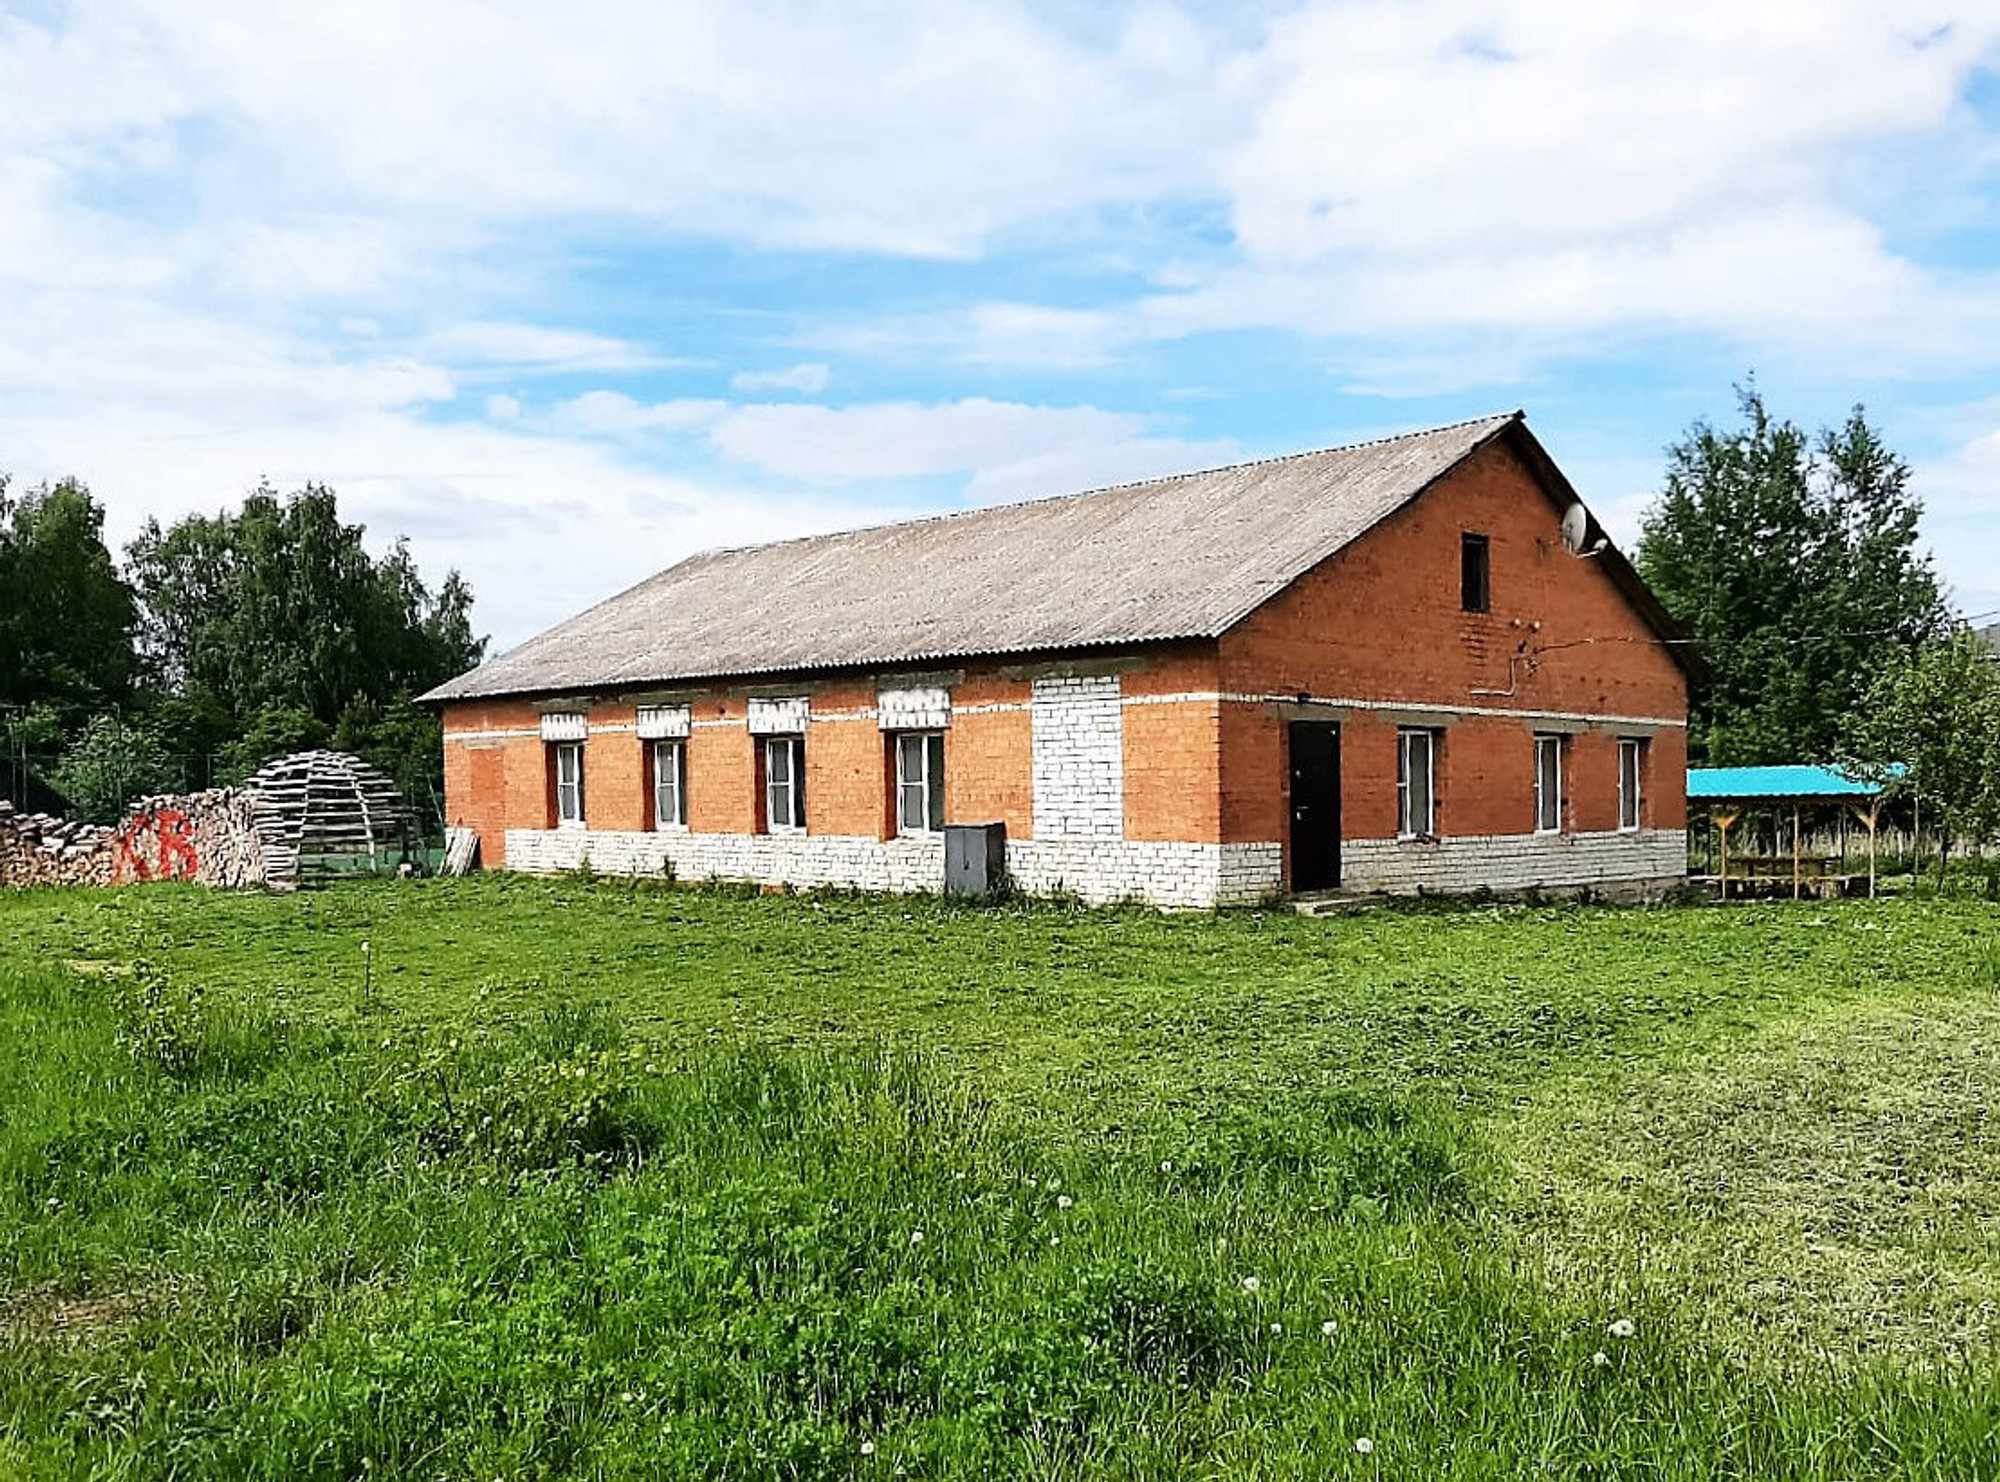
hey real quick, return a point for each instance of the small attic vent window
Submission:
(1475, 584)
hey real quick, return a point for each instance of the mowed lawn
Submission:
(513, 1178)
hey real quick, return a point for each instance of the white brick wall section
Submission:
(1078, 726)
(1160, 874)
(1101, 871)
(778, 717)
(926, 709)
(664, 722)
(1513, 862)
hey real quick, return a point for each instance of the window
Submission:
(784, 784)
(1631, 765)
(670, 784)
(1416, 776)
(919, 782)
(568, 758)
(1475, 583)
(1548, 784)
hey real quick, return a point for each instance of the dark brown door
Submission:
(1315, 753)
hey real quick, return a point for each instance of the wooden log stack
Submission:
(41, 849)
(317, 812)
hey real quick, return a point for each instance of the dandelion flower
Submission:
(1622, 1328)
(1363, 1445)
(1063, 1201)
(1252, 1285)
(1326, 1329)
(1600, 1358)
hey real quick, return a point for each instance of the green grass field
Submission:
(572, 1179)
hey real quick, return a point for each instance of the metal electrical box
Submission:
(975, 858)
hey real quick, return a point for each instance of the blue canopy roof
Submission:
(1805, 784)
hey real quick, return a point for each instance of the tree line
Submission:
(217, 643)
(1792, 561)
(220, 641)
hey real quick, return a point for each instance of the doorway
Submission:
(1314, 748)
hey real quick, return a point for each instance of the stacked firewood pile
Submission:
(40, 849)
(208, 837)
(310, 815)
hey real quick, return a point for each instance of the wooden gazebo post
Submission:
(1870, 817)
(1798, 859)
(1723, 822)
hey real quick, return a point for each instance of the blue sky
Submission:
(566, 292)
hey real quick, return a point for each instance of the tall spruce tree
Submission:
(1793, 562)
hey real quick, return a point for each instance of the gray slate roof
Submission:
(1181, 557)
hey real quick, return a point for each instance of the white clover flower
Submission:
(1063, 1201)
(1623, 1328)
(1252, 1285)
(1054, 1184)
(867, 1448)
(1600, 1358)
(1277, 1330)
(1166, 1165)
(916, 1237)
(1363, 1445)
(1327, 1328)
(1055, 1240)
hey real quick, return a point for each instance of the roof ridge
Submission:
(1516, 415)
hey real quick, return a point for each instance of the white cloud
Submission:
(1962, 515)
(926, 129)
(536, 347)
(1009, 447)
(810, 378)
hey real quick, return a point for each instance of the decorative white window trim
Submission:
(779, 717)
(566, 725)
(925, 709)
(665, 722)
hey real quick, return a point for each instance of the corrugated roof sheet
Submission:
(1181, 557)
(1740, 784)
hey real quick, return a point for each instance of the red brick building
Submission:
(1381, 667)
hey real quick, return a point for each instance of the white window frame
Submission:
(669, 784)
(1549, 745)
(1631, 784)
(928, 784)
(570, 797)
(1405, 824)
(794, 798)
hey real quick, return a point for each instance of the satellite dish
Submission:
(1575, 529)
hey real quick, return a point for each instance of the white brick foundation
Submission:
(1508, 862)
(1098, 871)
